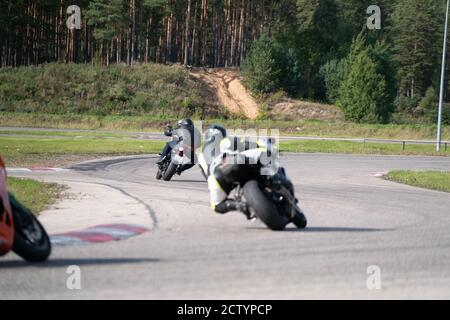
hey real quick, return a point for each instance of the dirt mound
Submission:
(290, 109)
(225, 87)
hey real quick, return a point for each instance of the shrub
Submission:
(430, 101)
(363, 96)
(333, 73)
(270, 67)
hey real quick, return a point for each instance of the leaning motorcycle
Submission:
(20, 231)
(271, 198)
(177, 162)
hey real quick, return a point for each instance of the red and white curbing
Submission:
(98, 234)
(22, 170)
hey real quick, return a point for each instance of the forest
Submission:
(320, 50)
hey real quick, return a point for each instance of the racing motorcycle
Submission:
(178, 160)
(20, 231)
(269, 197)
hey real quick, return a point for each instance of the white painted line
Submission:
(16, 170)
(20, 170)
(378, 174)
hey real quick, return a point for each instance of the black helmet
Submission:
(185, 123)
(215, 133)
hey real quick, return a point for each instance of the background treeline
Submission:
(311, 49)
(323, 50)
(196, 32)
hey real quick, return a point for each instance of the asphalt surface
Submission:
(355, 221)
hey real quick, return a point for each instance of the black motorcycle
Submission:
(272, 199)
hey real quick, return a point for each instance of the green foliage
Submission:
(106, 16)
(333, 73)
(381, 53)
(262, 69)
(86, 89)
(417, 32)
(35, 195)
(406, 104)
(430, 101)
(363, 96)
(434, 180)
(270, 67)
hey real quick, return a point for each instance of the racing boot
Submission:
(161, 160)
(233, 205)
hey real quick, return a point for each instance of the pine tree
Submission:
(262, 70)
(416, 32)
(363, 96)
(107, 18)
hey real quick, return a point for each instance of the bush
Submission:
(408, 104)
(430, 101)
(363, 96)
(333, 73)
(270, 67)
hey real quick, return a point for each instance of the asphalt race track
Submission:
(356, 220)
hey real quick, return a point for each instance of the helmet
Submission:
(6, 219)
(214, 133)
(185, 123)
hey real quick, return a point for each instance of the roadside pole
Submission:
(441, 95)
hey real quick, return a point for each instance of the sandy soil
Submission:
(229, 91)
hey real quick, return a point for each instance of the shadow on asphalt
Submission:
(57, 263)
(334, 229)
(326, 229)
(189, 181)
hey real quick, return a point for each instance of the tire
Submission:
(263, 207)
(34, 245)
(158, 174)
(300, 220)
(168, 174)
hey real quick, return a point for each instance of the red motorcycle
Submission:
(20, 231)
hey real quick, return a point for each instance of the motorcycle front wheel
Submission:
(31, 242)
(170, 171)
(300, 220)
(263, 208)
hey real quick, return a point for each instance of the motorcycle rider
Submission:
(237, 160)
(185, 131)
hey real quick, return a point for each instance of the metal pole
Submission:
(441, 95)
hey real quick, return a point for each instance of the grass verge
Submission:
(314, 146)
(35, 195)
(299, 127)
(57, 152)
(433, 180)
(20, 152)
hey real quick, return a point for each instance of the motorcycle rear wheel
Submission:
(263, 207)
(158, 174)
